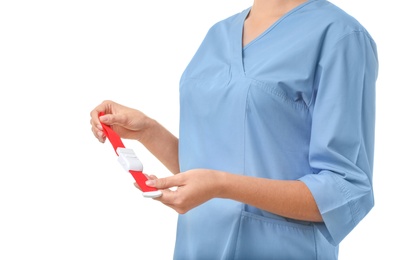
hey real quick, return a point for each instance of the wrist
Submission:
(148, 131)
(221, 181)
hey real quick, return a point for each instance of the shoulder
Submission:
(333, 20)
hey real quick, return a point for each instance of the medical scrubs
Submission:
(296, 103)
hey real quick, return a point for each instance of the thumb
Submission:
(106, 119)
(114, 119)
(111, 119)
(164, 183)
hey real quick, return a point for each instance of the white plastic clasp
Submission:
(128, 159)
(152, 194)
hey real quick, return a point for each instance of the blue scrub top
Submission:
(296, 103)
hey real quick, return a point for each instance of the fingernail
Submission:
(100, 127)
(104, 119)
(150, 183)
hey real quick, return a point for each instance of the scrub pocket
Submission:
(261, 237)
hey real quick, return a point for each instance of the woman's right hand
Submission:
(127, 122)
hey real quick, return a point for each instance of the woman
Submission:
(274, 158)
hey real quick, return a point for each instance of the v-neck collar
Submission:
(238, 49)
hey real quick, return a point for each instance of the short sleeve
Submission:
(341, 147)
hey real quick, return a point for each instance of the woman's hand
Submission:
(186, 190)
(130, 123)
(126, 122)
(189, 189)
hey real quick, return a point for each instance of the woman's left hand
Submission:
(189, 189)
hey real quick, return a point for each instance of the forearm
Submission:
(288, 198)
(162, 144)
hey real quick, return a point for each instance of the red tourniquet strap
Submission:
(116, 142)
(113, 137)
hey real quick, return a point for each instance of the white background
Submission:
(62, 194)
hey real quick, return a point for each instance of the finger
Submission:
(172, 200)
(98, 134)
(96, 125)
(136, 185)
(105, 107)
(106, 119)
(117, 119)
(165, 183)
(152, 177)
(167, 198)
(94, 120)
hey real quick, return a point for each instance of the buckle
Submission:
(128, 159)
